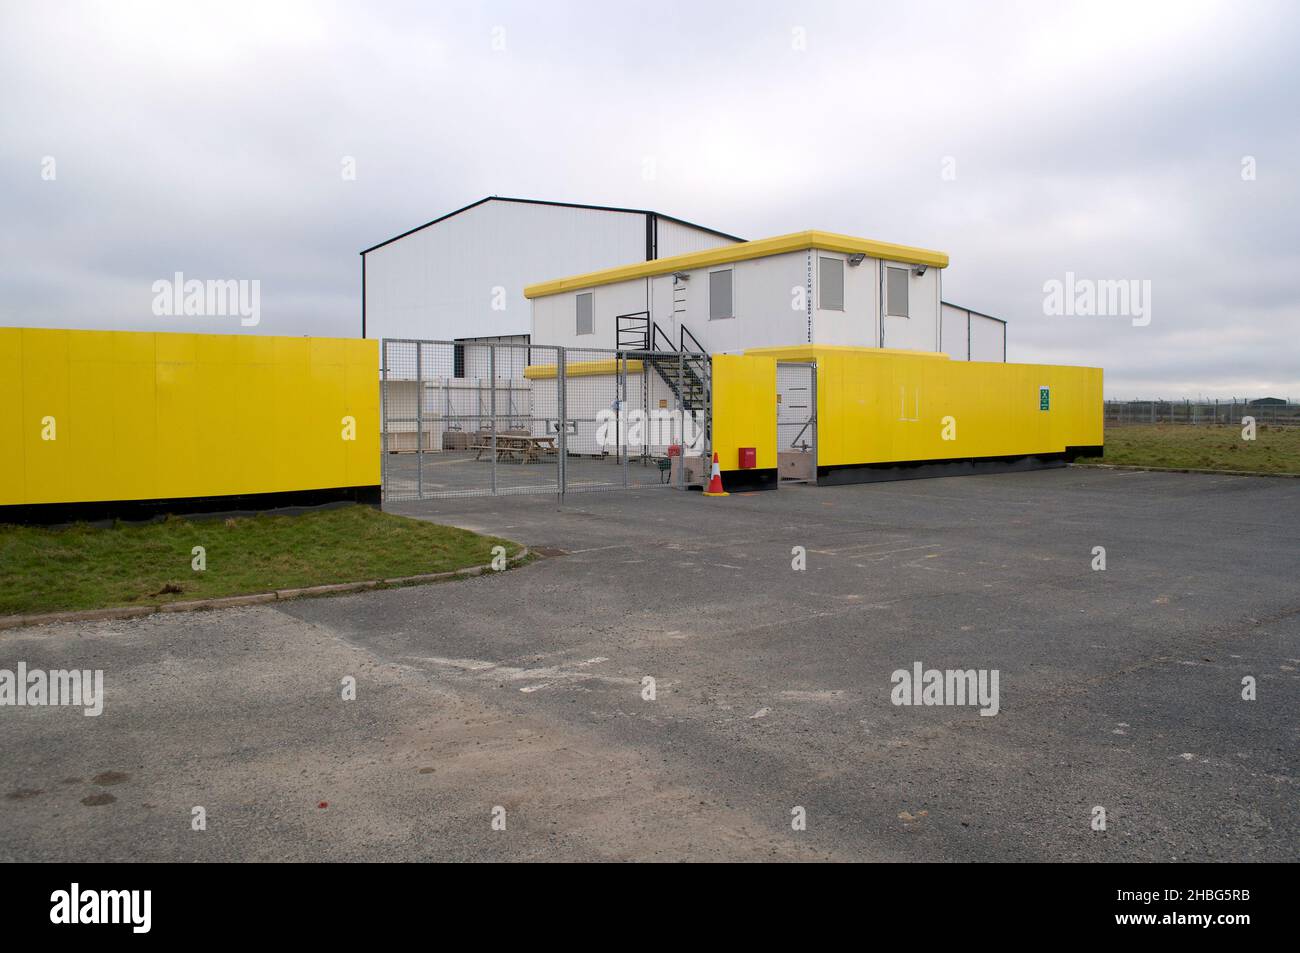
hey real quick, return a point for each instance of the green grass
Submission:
(89, 567)
(1186, 446)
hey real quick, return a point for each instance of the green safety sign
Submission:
(1044, 398)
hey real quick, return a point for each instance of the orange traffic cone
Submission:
(715, 480)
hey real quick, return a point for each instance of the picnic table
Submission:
(520, 448)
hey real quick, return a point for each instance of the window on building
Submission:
(830, 284)
(584, 313)
(720, 303)
(896, 282)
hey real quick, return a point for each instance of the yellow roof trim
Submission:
(744, 251)
(809, 352)
(538, 372)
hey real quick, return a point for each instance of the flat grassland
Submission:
(1188, 446)
(92, 567)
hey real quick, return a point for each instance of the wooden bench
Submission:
(523, 448)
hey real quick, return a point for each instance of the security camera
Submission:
(855, 260)
(919, 270)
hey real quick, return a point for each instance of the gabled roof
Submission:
(597, 208)
(762, 248)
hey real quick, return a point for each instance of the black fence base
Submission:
(49, 514)
(927, 469)
(743, 481)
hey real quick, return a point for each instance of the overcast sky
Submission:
(1107, 140)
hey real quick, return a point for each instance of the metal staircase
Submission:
(685, 371)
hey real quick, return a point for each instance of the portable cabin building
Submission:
(809, 287)
(900, 383)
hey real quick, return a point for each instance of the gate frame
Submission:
(811, 366)
(621, 357)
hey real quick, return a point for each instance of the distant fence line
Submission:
(1200, 412)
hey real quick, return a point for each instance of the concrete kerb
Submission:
(256, 598)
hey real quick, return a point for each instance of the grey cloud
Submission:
(1100, 138)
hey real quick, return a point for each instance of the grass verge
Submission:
(1274, 449)
(91, 567)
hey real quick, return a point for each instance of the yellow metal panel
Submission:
(744, 409)
(362, 402)
(88, 384)
(132, 470)
(50, 464)
(217, 422)
(216, 348)
(744, 251)
(176, 348)
(296, 425)
(90, 346)
(12, 414)
(254, 349)
(152, 416)
(882, 406)
(178, 398)
(328, 394)
(133, 347)
(256, 411)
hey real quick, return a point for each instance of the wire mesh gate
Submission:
(463, 418)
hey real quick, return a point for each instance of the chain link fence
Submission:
(1280, 413)
(462, 418)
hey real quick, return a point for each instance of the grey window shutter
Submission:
(830, 280)
(896, 292)
(720, 304)
(584, 313)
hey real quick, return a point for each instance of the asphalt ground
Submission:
(526, 690)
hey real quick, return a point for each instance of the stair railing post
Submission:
(681, 419)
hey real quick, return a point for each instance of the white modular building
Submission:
(462, 276)
(809, 287)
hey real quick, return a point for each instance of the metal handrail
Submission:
(641, 330)
(685, 333)
(656, 334)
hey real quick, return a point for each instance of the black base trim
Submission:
(48, 514)
(847, 474)
(742, 481)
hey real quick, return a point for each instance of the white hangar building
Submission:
(462, 276)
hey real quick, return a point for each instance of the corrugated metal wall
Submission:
(464, 277)
(675, 238)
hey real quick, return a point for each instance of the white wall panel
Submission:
(987, 339)
(441, 282)
(953, 340)
(674, 238)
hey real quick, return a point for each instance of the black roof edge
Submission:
(597, 208)
(973, 311)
